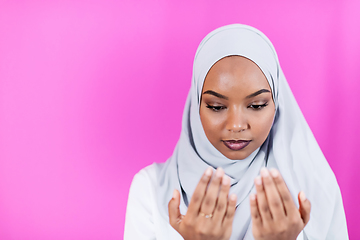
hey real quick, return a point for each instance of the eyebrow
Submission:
(216, 94)
(257, 93)
(224, 97)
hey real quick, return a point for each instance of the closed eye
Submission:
(215, 108)
(258, 107)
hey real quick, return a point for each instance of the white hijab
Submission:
(290, 146)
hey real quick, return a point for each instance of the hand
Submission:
(273, 211)
(210, 213)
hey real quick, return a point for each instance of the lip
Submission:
(236, 145)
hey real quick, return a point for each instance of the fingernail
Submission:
(174, 194)
(258, 180)
(302, 196)
(233, 197)
(252, 197)
(264, 172)
(219, 172)
(208, 171)
(274, 172)
(225, 180)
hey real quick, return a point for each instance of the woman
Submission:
(241, 119)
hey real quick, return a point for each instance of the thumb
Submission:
(305, 207)
(175, 216)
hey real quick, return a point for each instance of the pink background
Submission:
(93, 91)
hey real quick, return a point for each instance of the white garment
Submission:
(143, 219)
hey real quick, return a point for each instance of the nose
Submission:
(236, 121)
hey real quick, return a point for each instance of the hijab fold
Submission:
(290, 146)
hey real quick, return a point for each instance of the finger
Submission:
(255, 214)
(222, 200)
(284, 192)
(305, 207)
(272, 195)
(230, 211)
(211, 195)
(262, 202)
(199, 193)
(175, 216)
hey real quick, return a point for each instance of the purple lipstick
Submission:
(236, 145)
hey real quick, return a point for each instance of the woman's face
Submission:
(236, 108)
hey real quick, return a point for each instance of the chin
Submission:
(236, 155)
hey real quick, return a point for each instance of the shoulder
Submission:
(144, 182)
(150, 171)
(141, 206)
(146, 178)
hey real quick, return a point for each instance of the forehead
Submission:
(235, 74)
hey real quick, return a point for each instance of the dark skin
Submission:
(240, 115)
(236, 104)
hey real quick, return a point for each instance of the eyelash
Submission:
(255, 107)
(258, 107)
(215, 108)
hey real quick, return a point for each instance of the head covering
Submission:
(290, 146)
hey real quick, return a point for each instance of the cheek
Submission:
(212, 122)
(263, 124)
